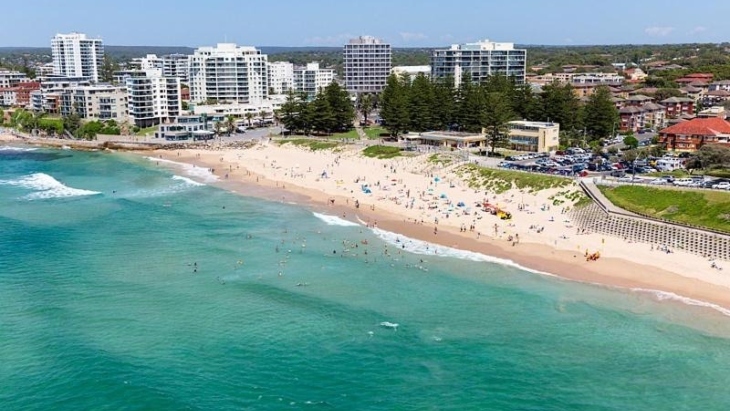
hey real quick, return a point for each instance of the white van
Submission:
(669, 163)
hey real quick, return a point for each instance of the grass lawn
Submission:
(500, 181)
(313, 145)
(146, 130)
(381, 152)
(702, 208)
(352, 134)
(374, 132)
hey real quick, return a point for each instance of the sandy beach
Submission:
(418, 199)
(422, 200)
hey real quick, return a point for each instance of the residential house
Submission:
(716, 111)
(693, 134)
(719, 85)
(635, 75)
(690, 78)
(715, 97)
(695, 93)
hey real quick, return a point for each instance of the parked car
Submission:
(618, 173)
(722, 185)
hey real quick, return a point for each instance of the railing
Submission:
(647, 216)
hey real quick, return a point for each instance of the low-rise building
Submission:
(447, 139)
(18, 96)
(719, 85)
(693, 134)
(97, 102)
(48, 98)
(193, 127)
(677, 106)
(534, 136)
(716, 111)
(635, 117)
(411, 71)
(12, 78)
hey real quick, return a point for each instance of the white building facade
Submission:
(76, 55)
(152, 98)
(311, 79)
(228, 73)
(367, 63)
(96, 102)
(281, 77)
(479, 61)
(12, 78)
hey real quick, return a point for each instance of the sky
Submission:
(402, 23)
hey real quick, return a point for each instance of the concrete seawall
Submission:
(603, 217)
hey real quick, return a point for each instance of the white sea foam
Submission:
(191, 170)
(667, 296)
(46, 187)
(11, 148)
(187, 180)
(333, 220)
(425, 248)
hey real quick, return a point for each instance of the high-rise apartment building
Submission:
(367, 63)
(281, 77)
(311, 79)
(228, 73)
(480, 60)
(152, 97)
(75, 55)
(172, 65)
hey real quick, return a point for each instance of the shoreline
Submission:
(541, 258)
(247, 174)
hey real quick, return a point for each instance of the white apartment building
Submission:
(48, 98)
(281, 77)
(228, 73)
(75, 55)
(152, 98)
(311, 79)
(367, 62)
(480, 60)
(97, 102)
(12, 78)
(172, 65)
(176, 65)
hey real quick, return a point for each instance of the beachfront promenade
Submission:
(601, 216)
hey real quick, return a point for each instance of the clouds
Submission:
(658, 31)
(410, 37)
(333, 40)
(697, 30)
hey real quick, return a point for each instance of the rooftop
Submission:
(700, 127)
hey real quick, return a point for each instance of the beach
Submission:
(152, 276)
(418, 199)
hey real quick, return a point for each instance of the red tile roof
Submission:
(700, 127)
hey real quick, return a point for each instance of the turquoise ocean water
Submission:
(125, 285)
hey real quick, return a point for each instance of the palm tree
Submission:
(262, 115)
(249, 117)
(217, 127)
(230, 124)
